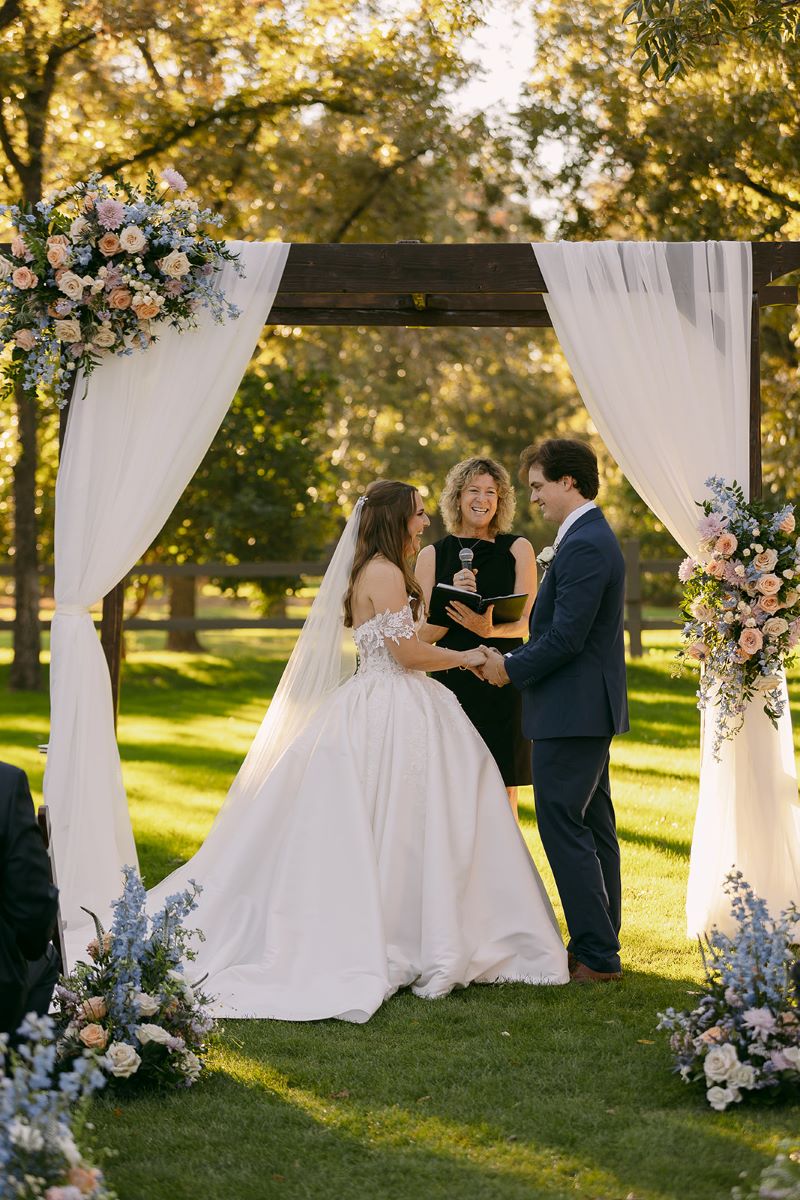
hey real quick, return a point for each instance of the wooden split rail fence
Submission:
(635, 622)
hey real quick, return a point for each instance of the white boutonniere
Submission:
(546, 556)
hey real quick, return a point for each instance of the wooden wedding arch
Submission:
(426, 285)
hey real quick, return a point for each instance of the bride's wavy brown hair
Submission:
(383, 529)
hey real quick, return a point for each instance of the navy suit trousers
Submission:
(578, 831)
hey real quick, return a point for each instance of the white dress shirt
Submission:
(570, 520)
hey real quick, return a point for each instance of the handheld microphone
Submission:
(465, 557)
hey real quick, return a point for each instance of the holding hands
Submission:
(487, 664)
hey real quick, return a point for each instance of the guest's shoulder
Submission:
(11, 777)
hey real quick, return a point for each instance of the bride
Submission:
(367, 843)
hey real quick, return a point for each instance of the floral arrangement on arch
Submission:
(743, 1035)
(95, 269)
(41, 1112)
(741, 606)
(131, 1005)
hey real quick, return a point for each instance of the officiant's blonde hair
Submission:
(457, 479)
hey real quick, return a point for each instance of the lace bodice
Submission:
(373, 654)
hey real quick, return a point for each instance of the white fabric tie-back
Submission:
(133, 442)
(657, 336)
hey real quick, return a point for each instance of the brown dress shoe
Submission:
(572, 961)
(583, 974)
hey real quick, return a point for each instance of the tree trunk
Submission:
(26, 674)
(182, 604)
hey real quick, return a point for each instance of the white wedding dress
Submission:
(379, 852)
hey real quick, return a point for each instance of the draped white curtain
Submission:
(657, 336)
(133, 442)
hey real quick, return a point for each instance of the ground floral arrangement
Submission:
(743, 1036)
(741, 606)
(42, 1111)
(131, 1005)
(96, 268)
(778, 1181)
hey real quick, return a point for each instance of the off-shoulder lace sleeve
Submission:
(397, 625)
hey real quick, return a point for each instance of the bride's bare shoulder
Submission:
(379, 570)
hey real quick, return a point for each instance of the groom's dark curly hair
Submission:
(558, 457)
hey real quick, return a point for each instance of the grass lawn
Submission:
(494, 1092)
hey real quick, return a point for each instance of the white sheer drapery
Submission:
(133, 442)
(657, 336)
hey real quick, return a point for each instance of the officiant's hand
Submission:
(494, 669)
(478, 623)
(465, 578)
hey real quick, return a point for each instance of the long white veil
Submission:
(323, 657)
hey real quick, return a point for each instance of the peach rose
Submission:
(25, 339)
(701, 611)
(93, 948)
(24, 278)
(769, 585)
(726, 544)
(775, 626)
(716, 568)
(108, 244)
(77, 227)
(698, 651)
(94, 1037)
(19, 248)
(94, 1008)
(787, 524)
(766, 560)
(119, 298)
(85, 1179)
(6, 267)
(750, 641)
(58, 239)
(145, 309)
(769, 604)
(57, 256)
(790, 597)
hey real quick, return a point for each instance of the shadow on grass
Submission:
(494, 1092)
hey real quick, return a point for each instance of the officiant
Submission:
(477, 505)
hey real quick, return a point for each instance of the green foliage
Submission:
(671, 34)
(430, 1098)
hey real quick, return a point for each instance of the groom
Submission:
(572, 677)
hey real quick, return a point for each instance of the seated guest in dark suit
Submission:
(29, 966)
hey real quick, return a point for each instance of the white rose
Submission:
(77, 227)
(742, 1076)
(775, 626)
(67, 331)
(121, 1060)
(719, 1098)
(766, 683)
(719, 1062)
(132, 239)
(175, 265)
(190, 1065)
(152, 1033)
(792, 1054)
(105, 337)
(71, 285)
(146, 1004)
(5, 267)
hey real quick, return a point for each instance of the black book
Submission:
(506, 608)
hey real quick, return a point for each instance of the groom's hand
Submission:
(494, 669)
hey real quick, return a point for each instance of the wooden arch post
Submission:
(472, 285)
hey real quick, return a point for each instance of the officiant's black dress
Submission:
(495, 712)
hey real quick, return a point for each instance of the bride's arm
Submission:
(383, 584)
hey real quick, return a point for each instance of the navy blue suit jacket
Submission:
(571, 672)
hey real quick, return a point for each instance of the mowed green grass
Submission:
(493, 1092)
